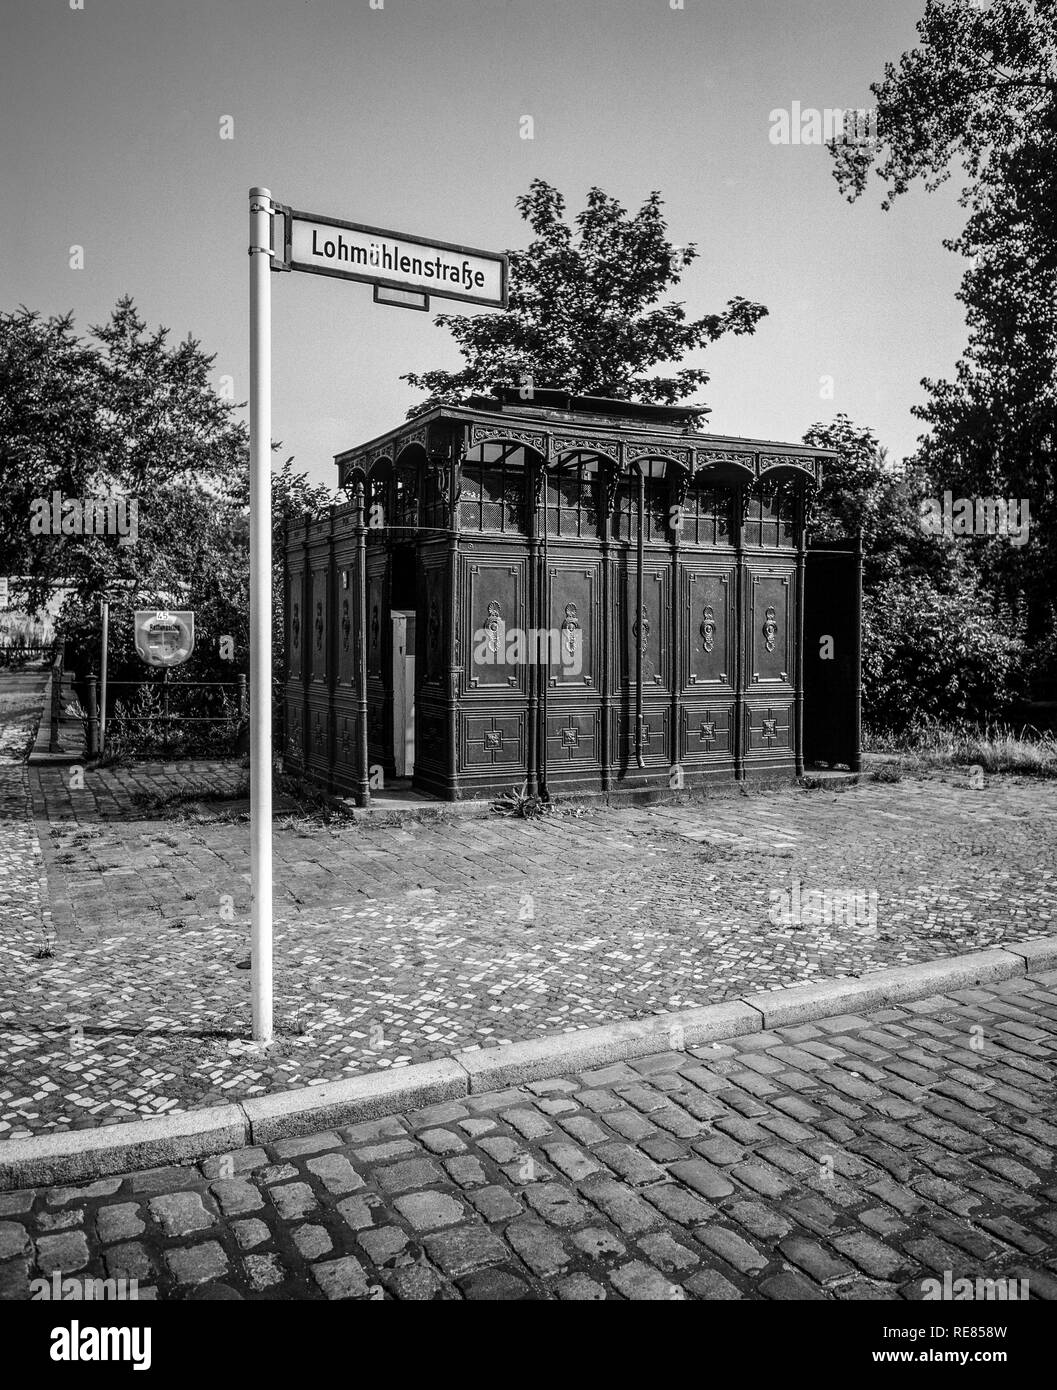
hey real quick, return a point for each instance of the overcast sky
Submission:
(409, 117)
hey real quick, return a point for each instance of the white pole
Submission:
(261, 612)
(102, 678)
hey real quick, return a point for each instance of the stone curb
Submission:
(90, 1153)
(289, 1114)
(514, 1064)
(78, 1155)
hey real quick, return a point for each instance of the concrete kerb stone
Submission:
(78, 1154)
(515, 1064)
(1037, 955)
(801, 1003)
(289, 1114)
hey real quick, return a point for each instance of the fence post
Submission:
(57, 661)
(243, 701)
(93, 717)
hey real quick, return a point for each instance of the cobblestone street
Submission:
(398, 943)
(852, 1158)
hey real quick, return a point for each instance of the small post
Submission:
(93, 718)
(261, 612)
(57, 661)
(243, 697)
(102, 682)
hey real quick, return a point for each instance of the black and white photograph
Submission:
(528, 678)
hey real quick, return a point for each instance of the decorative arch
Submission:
(736, 466)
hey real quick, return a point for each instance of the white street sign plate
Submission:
(325, 246)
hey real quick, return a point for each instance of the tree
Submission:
(863, 491)
(936, 644)
(122, 416)
(127, 414)
(980, 91)
(581, 315)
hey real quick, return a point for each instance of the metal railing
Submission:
(165, 714)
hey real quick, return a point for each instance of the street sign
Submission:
(164, 638)
(404, 270)
(396, 260)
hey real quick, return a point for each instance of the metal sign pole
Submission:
(102, 680)
(261, 612)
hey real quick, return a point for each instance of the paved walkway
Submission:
(852, 1158)
(401, 943)
(25, 919)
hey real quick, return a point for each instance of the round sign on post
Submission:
(164, 638)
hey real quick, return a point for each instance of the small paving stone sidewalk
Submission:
(851, 1158)
(405, 942)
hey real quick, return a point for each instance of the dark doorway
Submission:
(832, 656)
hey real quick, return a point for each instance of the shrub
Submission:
(937, 653)
(202, 726)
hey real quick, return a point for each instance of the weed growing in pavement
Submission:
(887, 772)
(517, 802)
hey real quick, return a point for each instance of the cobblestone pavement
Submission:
(397, 943)
(852, 1158)
(25, 919)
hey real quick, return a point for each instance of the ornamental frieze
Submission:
(481, 434)
(415, 437)
(567, 443)
(709, 458)
(667, 451)
(807, 465)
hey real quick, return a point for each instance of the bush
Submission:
(200, 727)
(940, 654)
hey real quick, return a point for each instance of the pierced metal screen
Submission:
(572, 503)
(379, 507)
(770, 514)
(708, 516)
(626, 512)
(493, 499)
(405, 500)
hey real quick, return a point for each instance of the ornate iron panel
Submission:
(769, 730)
(656, 740)
(317, 736)
(492, 740)
(346, 744)
(574, 618)
(650, 629)
(771, 617)
(294, 608)
(294, 752)
(494, 612)
(379, 673)
(376, 612)
(345, 636)
(707, 732)
(320, 610)
(573, 741)
(709, 638)
(433, 588)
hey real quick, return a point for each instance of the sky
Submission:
(408, 115)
